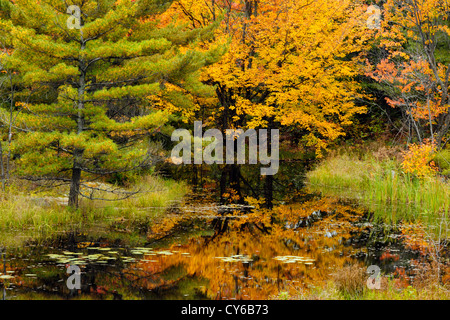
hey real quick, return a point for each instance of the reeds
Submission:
(382, 186)
(26, 214)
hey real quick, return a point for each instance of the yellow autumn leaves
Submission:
(418, 160)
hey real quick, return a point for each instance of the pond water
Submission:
(212, 247)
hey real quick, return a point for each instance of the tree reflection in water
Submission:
(256, 259)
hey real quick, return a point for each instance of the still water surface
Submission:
(211, 246)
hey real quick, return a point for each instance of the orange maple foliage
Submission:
(414, 65)
(285, 63)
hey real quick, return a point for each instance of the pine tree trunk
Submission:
(77, 153)
(75, 185)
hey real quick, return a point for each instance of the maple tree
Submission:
(87, 93)
(291, 64)
(287, 62)
(414, 68)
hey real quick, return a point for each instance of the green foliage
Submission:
(442, 159)
(85, 95)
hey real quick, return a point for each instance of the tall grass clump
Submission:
(154, 195)
(20, 212)
(24, 218)
(383, 186)
(350, 283)
(27, 212)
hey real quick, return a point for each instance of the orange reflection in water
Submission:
(256, 259)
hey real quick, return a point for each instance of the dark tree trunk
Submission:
(194, 176)
(223, 183)
(268, 192)
(235, 181)
(75, 185)
(268, 183)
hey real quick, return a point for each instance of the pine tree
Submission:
(90, 71)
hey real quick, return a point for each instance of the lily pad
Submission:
(166, 253)
(93, 256)
(292, 259)
(236, 258)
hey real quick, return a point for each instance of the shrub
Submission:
(418, 160)
(442, 159)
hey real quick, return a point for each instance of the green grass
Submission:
(382, 186)
(155, 195)
(442, 159)
(26, 214)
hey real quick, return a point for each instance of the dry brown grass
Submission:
(350, 279)
(388, 153)
(350, 282)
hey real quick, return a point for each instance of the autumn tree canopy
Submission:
(414, 67)
(289, 62)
